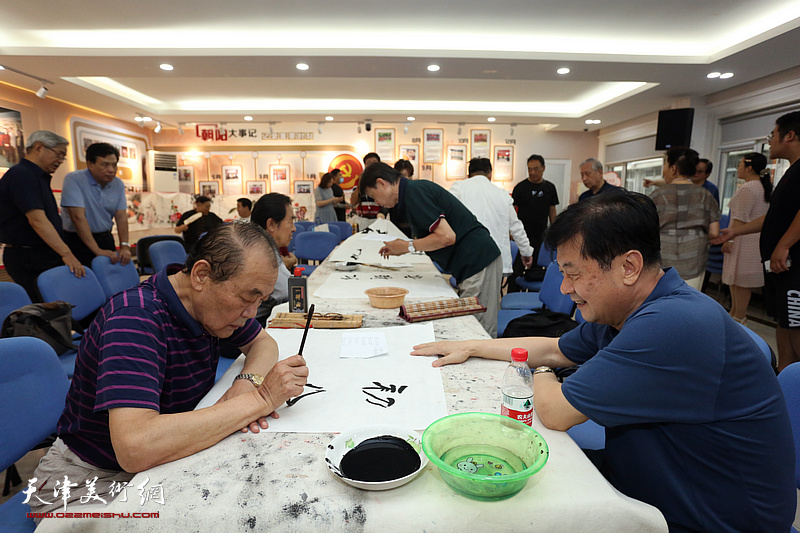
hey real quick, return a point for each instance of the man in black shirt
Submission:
(193, 226)
(535, 199)
(780, 233)
(30, 225)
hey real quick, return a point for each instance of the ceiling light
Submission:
(319, 128)
(165, 66)
(591, 121)
(147, 119)
(248, 118)
(157, 129)
(726, 75)
(491, 119)
(405, 128)
(301, 66)
(42, 92)
(411, 119)
(2, 67)
(433, 68)
(358, 129)
(563, 70)
(138, 119)
(180, 130)
(461, 125)
(713, 75)
(329, 118)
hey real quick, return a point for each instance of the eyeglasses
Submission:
(326, 316)
(59, 155)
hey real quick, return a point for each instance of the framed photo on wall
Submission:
(186, 179)
(433, 145)
(209, 188)
(256, 187)
(480, 143)
(231, 172)
(384, 143)
(409, 152)
(503, 163)
(279, 172)
(303, 186)
(456, 161)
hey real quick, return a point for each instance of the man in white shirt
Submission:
(493, 207)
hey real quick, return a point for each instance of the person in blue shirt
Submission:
(92, 199)
(704, 168)
(696, 424)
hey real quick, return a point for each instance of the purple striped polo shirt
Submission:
(142, 350)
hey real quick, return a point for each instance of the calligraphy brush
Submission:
(305, 332)
(380, 266)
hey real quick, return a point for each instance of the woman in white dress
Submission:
(742, 268)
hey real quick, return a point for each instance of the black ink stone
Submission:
(383, 458)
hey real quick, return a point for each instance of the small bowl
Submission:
(484, 456)
(386, 297)
(345, 266)
(348, 440)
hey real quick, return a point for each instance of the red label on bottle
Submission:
(526, 417)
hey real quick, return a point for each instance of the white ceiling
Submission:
(368, 59)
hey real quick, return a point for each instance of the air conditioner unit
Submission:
(165, 172)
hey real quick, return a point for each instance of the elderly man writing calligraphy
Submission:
(695, 421)
(151, 355)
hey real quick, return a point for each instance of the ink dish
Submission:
(376, 457)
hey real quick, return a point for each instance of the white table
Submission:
(279, 481)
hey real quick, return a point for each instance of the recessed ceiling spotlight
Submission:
(591, 121)
(147, 119)
(248, 118)
(138, 119)
(329, 118)
(491, 119)
(726, 75)
(166, 66)
(411, 119)
(563, 70)
(713, 75)
(433, 68)
(301, 66)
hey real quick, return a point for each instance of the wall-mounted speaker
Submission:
(674, 128)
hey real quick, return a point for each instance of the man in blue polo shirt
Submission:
(30, 226)
(91, 200)
(696, 424)
(151, 355)
(444, 229)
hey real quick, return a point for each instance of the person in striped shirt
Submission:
(151, 355)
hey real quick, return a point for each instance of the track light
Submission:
(158, 127)
(359, 128)
(405, 128)
(460, 125)
(42, 92)
(270, 127)
(512, 129)
(180, 130)
(319, 128)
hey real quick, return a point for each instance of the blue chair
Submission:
(548, 296)
(33, 386)
(12, 297)
(345, 229)
(789, 379)
(543, 259)
(306, 224)
(85, 294)
(297, 231)
(143, 250)
(314, 246)
(114, 277)
(163, 253)
(336, 230)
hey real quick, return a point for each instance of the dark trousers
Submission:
(104, 240)
(341, 214)
(25, 264)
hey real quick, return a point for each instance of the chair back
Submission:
(163, 253)
(85, 293)
(514, 250)
(789, 378)
(33, 386)
(345, 229)
(143, 250)
(315, 245)
(550, 293)
(306, 224)
(114, 277)
(764, 347)
(546, 256)
(12, 297)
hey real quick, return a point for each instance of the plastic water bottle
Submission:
(518, 388)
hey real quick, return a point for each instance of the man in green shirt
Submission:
(444, 229)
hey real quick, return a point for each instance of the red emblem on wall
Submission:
(351, 168)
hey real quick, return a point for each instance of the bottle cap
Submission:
(519, 354)
(298, 271)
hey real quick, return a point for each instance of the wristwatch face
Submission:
(255, 379)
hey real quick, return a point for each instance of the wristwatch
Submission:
(543, 369)
(411, 248)
(255, 379)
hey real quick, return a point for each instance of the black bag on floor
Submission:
(52, 322)
(540, 323)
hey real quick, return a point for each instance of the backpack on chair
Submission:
(51, 322)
